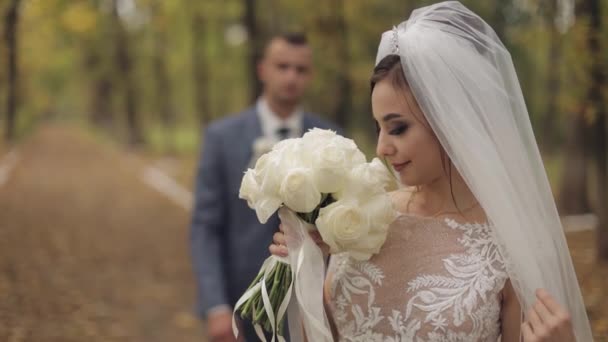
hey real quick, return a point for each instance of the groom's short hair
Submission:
(297, 39)
(293, 38)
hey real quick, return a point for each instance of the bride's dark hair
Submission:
(388, 68)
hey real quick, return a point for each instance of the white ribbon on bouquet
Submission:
(305, 311)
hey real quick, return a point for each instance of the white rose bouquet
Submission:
(325, 180)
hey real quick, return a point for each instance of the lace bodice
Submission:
(434, 280)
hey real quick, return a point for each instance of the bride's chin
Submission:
(406, 181)
(409, 180)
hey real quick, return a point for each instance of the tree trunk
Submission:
(343, 82)
(250, 21)
(549, 127)
(10, 30)
(573, 195)
(601, 150)
(200, 70)
(163, 87)
(100, 105)
(595, 99)
(124, 67)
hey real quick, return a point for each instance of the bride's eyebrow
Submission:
(391, 116)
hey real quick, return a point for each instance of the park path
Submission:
(88, 251)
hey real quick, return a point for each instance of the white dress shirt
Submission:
(271, 122)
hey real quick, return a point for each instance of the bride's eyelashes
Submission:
(399, 129)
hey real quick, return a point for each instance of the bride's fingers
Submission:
(279, 239)
(535, 321)
(526, 331)
(553, 315)
(552, 306)
(540, 310)
(278, 250)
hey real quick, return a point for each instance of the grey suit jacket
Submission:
(228, 243)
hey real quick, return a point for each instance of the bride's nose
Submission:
(384, 147)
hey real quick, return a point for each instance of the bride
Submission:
(478, 247)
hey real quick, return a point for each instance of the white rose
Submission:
(317, 135)
(365, 248)
(317, 139)
(286, 144)
(331, 156)
(262, 163)
(366, 180)
(272, 167)
(289, 154)
(372, 177)
(265, 175)
(250, 190)
(380, 172)
(298, 190)
(261, 188)
(266, 206)
(330, 167)
(353, 154)
(380, 211)
(312, 142)
(341, 223)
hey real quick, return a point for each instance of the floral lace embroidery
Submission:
(468, 294)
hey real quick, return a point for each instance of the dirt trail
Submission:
(87, 251)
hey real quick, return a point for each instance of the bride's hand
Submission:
(279, 245)
(547, 320)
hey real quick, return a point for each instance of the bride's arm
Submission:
(510, 314)
(546, 320)
(327, 305)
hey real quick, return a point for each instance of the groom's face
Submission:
(286, 71)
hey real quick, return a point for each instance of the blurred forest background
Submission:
(139, 79)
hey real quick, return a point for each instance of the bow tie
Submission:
(283, 132)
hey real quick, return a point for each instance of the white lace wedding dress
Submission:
(434, 280)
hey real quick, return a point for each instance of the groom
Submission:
(227, 241)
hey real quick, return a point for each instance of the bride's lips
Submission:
(399, 167)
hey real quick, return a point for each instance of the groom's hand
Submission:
(219, 327)
(547, 320)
